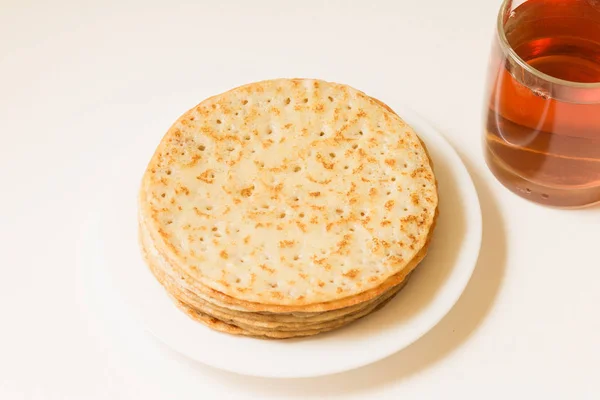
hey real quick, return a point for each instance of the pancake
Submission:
(286, 208)
(221, 326)
(251, 321)
(174, 282)
(225, 301)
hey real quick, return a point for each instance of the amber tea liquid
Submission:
(543, 135)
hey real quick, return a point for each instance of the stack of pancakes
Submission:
(286, 208)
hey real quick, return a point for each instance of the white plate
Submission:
(110, 241)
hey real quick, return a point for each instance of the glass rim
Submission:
(523, 64)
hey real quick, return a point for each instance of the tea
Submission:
(543, 134)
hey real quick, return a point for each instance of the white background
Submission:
(77, 76)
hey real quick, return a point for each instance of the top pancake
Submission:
(289, 192)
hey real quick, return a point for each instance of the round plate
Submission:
(110, 241)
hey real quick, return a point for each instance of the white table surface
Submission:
(76, 77)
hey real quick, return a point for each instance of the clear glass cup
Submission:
(542, 131)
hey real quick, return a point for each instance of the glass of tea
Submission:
(542, 131)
